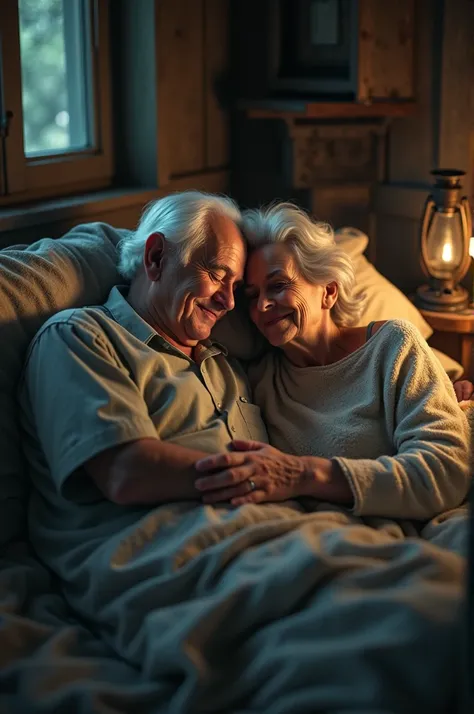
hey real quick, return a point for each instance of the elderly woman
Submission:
(364, 417)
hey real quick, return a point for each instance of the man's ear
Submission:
(329, 295)
(153, 255)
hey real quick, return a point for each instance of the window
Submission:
(55, 98)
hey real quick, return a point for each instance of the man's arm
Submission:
(145, 471)
(86, 412)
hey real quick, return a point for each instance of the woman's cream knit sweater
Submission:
(386, 413)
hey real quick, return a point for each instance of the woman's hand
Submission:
(252, 473)
(464, 390)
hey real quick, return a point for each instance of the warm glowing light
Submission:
(471, 247)
(447, 254)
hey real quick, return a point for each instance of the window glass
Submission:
(55, 45)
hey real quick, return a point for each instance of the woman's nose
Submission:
(264, 303)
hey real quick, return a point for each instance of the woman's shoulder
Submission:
(397, 341)
(397, 331)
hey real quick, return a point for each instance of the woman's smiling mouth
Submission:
(275, 320)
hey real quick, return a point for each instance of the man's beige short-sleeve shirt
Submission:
(101, 376)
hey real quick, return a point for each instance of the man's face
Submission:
(186, 301)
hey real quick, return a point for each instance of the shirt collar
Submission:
(123, 313)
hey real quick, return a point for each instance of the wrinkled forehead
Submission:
(224, 246)
(269, 259)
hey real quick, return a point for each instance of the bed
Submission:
(241, 619)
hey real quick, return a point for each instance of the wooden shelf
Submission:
(298, 109)
(459, 322)
(453, 334)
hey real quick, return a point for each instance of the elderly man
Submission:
(121, 400)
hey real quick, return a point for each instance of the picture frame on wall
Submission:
(314, 47)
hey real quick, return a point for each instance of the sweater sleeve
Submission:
(428, 472)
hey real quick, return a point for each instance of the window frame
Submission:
(61, 173)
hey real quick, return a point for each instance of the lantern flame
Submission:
(447, 254)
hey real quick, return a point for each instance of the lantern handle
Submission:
(466, 222)
(429, 209)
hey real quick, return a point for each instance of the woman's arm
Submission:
(464, 390)
(428, 470)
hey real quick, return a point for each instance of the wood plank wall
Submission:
(193, 56)
(440, 135)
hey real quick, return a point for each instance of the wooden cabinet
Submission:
(348, 51)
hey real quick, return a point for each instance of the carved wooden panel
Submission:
(331, 153)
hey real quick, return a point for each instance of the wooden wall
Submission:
(192, 46)
(172, 130)
(440, 135)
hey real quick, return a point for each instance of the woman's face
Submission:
(283, 305)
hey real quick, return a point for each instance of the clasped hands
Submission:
(254, 472)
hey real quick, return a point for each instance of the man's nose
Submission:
(226, 297)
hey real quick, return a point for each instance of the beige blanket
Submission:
(263, 608)
(273, 609)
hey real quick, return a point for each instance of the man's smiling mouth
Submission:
(209, 312)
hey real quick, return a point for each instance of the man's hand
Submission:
(464, 390)
(252, 473)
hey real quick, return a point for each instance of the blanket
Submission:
(262, 608)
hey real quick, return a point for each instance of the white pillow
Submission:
(383, 300)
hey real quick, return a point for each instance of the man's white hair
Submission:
(318, 258)
(184, 220)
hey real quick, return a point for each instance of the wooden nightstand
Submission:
(454, 335)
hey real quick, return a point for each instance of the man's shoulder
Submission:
(81, 319)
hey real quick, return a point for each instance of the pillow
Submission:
(383, 300)
(37, 281)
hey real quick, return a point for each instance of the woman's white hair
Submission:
(183, 218)
(318, 258)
